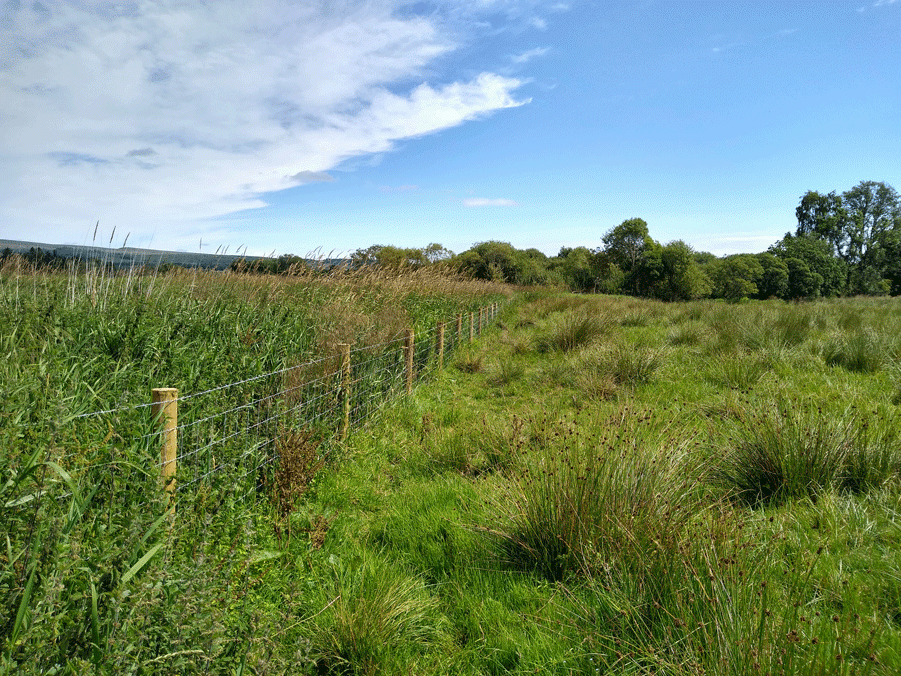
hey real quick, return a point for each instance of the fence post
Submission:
(439, 344)
(165, 412)
(472, 325)
(408, 360)
(479, 330)
(344, 349)
(459, 328)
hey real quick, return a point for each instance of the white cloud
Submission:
(529, 55)
(157, 116)
(486, 202)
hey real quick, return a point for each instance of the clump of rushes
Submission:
(574, 330)
(737, 371)
(796, 449)
(633, 365)
(861, 352)
(686, 334)
(596, 495)
(377, 619)
(505, 372)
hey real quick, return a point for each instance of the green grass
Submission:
(683, 489)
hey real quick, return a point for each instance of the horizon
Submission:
(293, 128)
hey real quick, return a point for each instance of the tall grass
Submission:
(574, 330)
(85, 524)
(795, 449)
(597, 496)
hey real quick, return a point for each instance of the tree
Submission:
(390, 257)
(816, 254)
(626, 243)
(773, 283)
(873, 210)
(681, 277)
(736, 277)
(436, 252)
(576, 268)
(859, 226)
(825, 217)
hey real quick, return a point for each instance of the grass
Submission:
(686, 489)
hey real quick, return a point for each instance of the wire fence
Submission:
(230, 434)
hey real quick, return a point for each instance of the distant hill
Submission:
(126, 257)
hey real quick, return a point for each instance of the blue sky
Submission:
(292, 127)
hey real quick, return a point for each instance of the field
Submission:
(595, 485)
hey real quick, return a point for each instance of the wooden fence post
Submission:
(344, 349)
(439, 344)
(408, 360)
(472, 325)
(479, 330)
(165, 412)
(459, 327)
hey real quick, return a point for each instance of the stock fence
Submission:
(229, 434)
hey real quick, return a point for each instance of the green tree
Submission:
(824, 217)
(873, 210)
(626, 243)
(576, 267)
(773, 283)
(735, 277)
(436, 252)
(391, 257)
(681, 277)
(860, 226)
(822, 273)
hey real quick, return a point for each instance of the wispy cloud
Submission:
(159, 117)
(312, 177)
(875, 5)
(529, 55)
(486, 202)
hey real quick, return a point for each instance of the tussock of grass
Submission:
(795, 449)
(573, 331)
(634, 365)
(596, 496)
(738, 372)
(377, 619)
(688, 334)
(860, 352)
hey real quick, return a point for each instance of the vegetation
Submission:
(600, 484)
(847, 244)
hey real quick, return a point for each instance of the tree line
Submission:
(845, 243)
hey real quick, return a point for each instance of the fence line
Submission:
(235, 429)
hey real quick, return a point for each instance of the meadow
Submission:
(595, 485)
